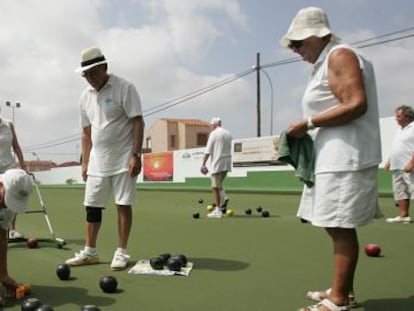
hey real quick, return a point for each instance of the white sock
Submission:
(121, 250)
(222, 197)
(91, 250)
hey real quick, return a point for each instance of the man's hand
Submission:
(135, 166)
(204, 170)
(84, 171)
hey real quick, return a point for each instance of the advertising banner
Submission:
(158, 166)
(261, 151)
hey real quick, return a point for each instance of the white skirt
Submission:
(341, 199)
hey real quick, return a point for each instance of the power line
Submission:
(181, 99)
(199, 92)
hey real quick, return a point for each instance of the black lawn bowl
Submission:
(30, 304)
(174, 264)
(63, 271)
(259, 209)
(196, 215)
(108, 284)
(265, 214)
(157, 263)
(248, 211)
(183, 259)
(166, 256)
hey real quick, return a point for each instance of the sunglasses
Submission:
(295, 44)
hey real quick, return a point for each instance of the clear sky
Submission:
(171, 48)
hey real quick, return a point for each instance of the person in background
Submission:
(401, 163)
(9, 143)
(218, 149)
(341, 111)
(112, 135)
(15, 188)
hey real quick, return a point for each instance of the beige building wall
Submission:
(158, 137)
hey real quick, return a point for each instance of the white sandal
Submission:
(316, 296)
(327, 304)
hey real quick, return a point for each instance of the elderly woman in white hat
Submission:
(340, 111)
(15, 189)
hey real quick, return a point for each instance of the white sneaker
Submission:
(14, 234)
(83, 258)
(120, 261)
(217, 213)
(399, 219)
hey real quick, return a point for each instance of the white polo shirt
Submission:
(402, 148)
(109, 112)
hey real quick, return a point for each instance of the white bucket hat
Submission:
(90, 58)
(17, 185)
(308, 22)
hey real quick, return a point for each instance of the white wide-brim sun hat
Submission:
(90, 58)
(308, 22)
(18, 186)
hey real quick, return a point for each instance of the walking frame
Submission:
(59, 241)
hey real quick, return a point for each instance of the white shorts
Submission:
(341, 199)
(99, 190)
(402, 185)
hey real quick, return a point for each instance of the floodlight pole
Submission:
(13, 106)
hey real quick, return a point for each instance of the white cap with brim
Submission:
(215, 121)
(18, 186)
(90, 58)
(308, 22)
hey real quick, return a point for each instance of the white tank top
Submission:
(351, 147)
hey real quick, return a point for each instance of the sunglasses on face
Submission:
(295, 44)
(92, 71)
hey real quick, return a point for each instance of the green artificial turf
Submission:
(241, 263)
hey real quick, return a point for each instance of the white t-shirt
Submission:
(351, 147)
(402, 148)
(219, 149)
(109, 113)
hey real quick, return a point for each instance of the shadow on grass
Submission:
(218, 264)
(388, 304)
(58, 296)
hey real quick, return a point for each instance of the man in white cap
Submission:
(15, 189)
(218, 149)
(112, 134)
(340, 108)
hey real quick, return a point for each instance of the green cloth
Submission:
(299, 153)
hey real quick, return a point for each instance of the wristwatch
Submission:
(137, 155)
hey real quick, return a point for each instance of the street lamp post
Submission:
(271, 99)
(13, 106)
